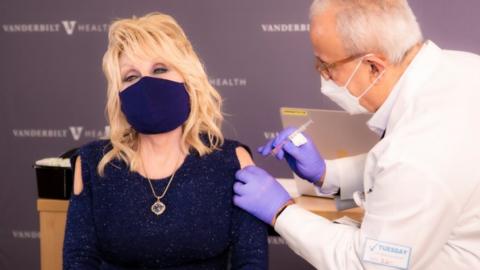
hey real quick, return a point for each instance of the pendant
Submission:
(158, 207)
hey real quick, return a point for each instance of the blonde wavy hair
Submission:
(158, 35)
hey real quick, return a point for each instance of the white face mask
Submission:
(341, 95)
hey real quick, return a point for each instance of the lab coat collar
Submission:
(379, 121)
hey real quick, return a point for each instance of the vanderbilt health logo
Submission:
(69, 27)
(285, 27)
(276, 240)
(74, 132)
(228, 82)
(270, 135)
(22, 234)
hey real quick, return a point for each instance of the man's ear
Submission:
(377, 65)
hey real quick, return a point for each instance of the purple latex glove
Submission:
(305, 160)
(258, 193)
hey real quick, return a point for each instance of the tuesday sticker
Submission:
(387, 254)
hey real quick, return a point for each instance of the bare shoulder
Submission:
(77, 177)
(244, 157)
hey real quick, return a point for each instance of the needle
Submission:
(291, 136)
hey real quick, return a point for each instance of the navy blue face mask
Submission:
(154, 105)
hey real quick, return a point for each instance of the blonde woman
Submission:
(158, 194)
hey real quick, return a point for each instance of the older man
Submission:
(420, 185)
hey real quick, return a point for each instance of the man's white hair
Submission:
(374, 26)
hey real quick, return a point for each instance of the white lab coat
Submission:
(421, 183)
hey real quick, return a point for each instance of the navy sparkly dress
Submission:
(110, 224)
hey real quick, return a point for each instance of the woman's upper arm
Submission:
(249, 245)
(80, 242)
(77, 177)
(250, 248)
(244, 157)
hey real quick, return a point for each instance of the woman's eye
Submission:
(160, 70)
(129, 78)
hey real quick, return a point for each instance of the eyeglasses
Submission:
(325, 69)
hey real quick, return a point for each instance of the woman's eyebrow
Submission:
(126, 70)
(159, 63)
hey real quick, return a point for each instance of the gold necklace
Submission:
(159, 207)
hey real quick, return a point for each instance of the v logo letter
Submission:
(76, 132)
(69, 26)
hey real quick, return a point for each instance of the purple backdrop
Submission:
(257, 53)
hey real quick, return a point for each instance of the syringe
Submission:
(292, 137)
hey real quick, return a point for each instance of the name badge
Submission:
(387, 254)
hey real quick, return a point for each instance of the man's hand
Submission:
(258, 193)
(304, 160)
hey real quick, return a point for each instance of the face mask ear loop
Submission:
(371, 85)
(353, 73)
